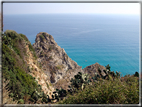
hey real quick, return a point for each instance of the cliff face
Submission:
(54, 60)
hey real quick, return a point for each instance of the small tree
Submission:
(136, 74)
(108, 67)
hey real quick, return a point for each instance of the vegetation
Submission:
(59, 67)
(83, 89)
(32, 49)
(22, 87)
(50, 48)
(59, 94)
(42, 37)
(39, 65)
(113, 90)
(107, 92)
(41, 54)
(24, 37)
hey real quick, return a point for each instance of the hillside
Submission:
(21, 69)
(44, 73)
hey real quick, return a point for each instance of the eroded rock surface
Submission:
(54, 60)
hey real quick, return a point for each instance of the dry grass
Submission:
(6, 98)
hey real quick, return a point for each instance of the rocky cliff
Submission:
(45, 62)
(54, 60)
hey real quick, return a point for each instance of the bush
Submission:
(45, 99)
(113, 90)
(24, 37)
(42, 37)
(106, 92)
(33, 51)
(14, 70)
(136, 74)
(21, 101)
(31, 47)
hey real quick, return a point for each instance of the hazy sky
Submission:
(105, 8)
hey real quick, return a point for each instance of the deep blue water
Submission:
(87, 38)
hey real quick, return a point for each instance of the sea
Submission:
(112, 39)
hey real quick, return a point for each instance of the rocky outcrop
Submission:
(54, 60)
(93, 69)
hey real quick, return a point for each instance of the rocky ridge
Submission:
(54, 60)
(57, 64)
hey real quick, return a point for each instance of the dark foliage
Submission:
(112, 90)
(15, 69)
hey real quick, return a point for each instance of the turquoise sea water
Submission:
(87, 38)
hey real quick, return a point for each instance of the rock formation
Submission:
(93, 69)
(47, 62)
(54, 60)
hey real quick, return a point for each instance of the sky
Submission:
(44, 8)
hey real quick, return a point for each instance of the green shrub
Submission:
(58, 67)
(31, 47)
(79, 81)
(45, 99)
(24, 37)
(108, 67)
(33, 51)
(136, 74)
(42, 37)
(14, 70)
(107, 92)
(113, 90)
(21, 101)
(47, 85)
(59, 94)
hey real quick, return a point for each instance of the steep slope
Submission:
(44, 66)
(37, 72)
(54, 60)
(21, 70)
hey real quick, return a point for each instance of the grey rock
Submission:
(54, 60)
(93, 70)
